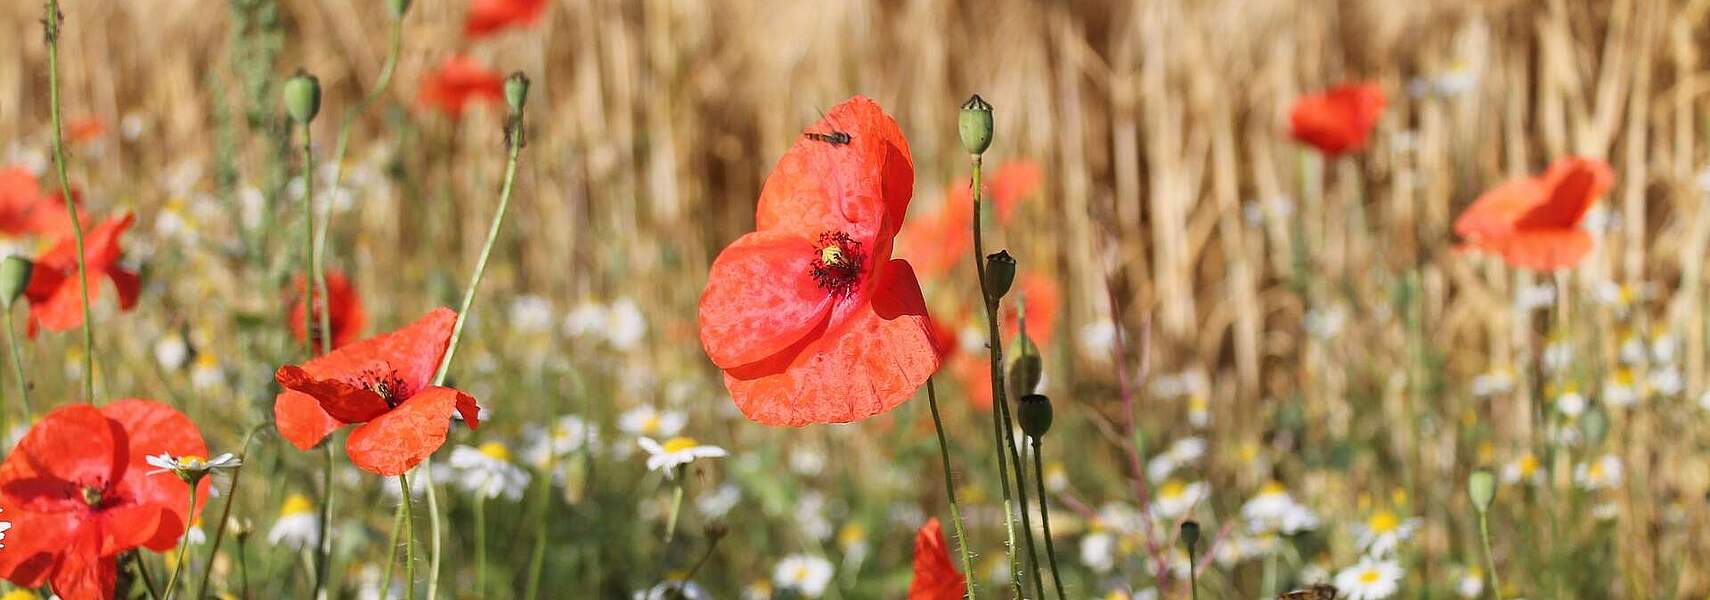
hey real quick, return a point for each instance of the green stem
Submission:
(225, 514)
(52, 23)
(950, 490)
(1045, 516)
(141, 570)
(309, 288)
(481, 543)
(18, 368)
(409, 540)
(1193, 573)
(391, 551)
(676, 503)
(1489, 557)
(183, 544)
(1002, 423)
(323, 554)
(537, 558)
(433, 533)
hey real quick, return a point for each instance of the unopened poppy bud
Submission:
(975, 125)
(1594, 424)
(1481, 487)
(14, 279)
(1190, 534)
(303, 97)
(716, 530)
(1000, 274)
(1034, 413)
(516, 91)
(1027, 370)
(398, 7)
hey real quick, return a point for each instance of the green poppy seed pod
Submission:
(1595, 425)
(1034, 412)
(1481, 487)
(398, 7)
(975, 125)
(14, 278)
(303, 97)
(1190, 534)
(516, 91)
(1026, 371)
(1000, 274)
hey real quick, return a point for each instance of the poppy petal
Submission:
(861, 188)
(1572, 184)
(412, 353)
(760, 298)
(28, 560)
(935, 578)
(1011, 183)
(74, 444)
(397, 441)
(1543, 250)
(83, 572)
(878, 359)
(1494, 212)
(340, 400)
(301, 420)
(152, 428)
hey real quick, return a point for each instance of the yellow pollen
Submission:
(1171, 489)
(831, 255)
(296, 504)
(1273, 488)
(1383, 521)
(19, 595)
(1528, 465)
(496, 451)
(207, 360)
(1198, 403)
(852, 533)
(651, 424)
(679, 444)
(1370, 576)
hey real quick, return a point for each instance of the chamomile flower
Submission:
(805, 574)
(585, 319)
(1199, 411)
(852, 540)
(1098, 551)
(191, 468)
(676, 452)
(1632, 349)
(1056, 477)
(1535, 297)
(1603, 473)
(487, 471)
(1175, 498)
(196, 536)
(1557, 355)
(1382, 532)
(1570, 402)
(674, 590)
(716, 503)
(1273, 510)
(810, 516)
(1524, 469)
(531, 314)
(1325, 322)
(565, 436)
(1621, 389)
(1664, 381)
(298, 526)
(1471, 583)
(1370, 579)
(1496, 381)
(650, 421)
(1704, 401)
(4, 527)
(626, 327)
(1181, 452)
(171, 351)
(759, 589)
(206, 372)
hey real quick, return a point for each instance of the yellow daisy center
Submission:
(1272, 489)
(651, 423)
(496, 451)
(1370, 576)
(1528, 465)
(296, 504)
(1382, 522)
(679, 444)
(1171, 489)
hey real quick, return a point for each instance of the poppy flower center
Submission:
(92, 496)
(838, 267)
(387, 384)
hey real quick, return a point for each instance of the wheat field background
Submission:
(1310, 320)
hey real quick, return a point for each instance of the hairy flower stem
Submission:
(1489, 557)
(225, 515)
(52, 24)
(1002, 423)
(1045, 516)
(391, 550)
(950, 489)
(323, 555)
(183, 544)
(18, 367)
(409, 539)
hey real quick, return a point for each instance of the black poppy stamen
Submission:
(387, 384)
(838, 267)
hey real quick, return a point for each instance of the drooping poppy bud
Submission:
(1481, 487)
(975, 125)
(14, 279)
(516, 91)
(1190, 534)
(302, 97)
(1034, 412)
(1000, 274)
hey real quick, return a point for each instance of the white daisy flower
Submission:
(810, 516)
(298, 526)
(1632, 350)
(1664, 348)
(1175, 498)
(807, 461)
(565, 436)
(716, 503)
(1325, 322)
(531, 314)
(1665, 381)
(1056, 477)
(1603, 473)
(807, 575)
(1098, 551)
(191, 468)
(487, 471)
(1557, 355)
(206, 373)
(626, 327)
(587, 318)
(1536, 297)
(674, 590)
(646, 420)
(4, 527)
(1370, 579)
(1497, 381)
(1199, 411)
(1704, 400)
(171, 351)
(1570, 402)
(1383, 532)
(1470, 584)
(1273, 510)
(1621, 389)
(675, 452)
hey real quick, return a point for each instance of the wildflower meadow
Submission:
(846, 299)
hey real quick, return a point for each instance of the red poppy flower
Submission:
(56, 294)
(810, 318)
(487, 17)
(1534, 222)
(84, 130)
(1339, 120)
(346, 317)
(25, 208)
(1043, 301)
(458, 81)
(78, 492)
(383, 383)
(935, 576)
(937, 242)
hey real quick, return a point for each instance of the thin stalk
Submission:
(1002, 423)
(950, 490)
(1193, 573)
(323, 554)
(183, 543)
(705, 556)
(141, 570)
(18, 367)
(342, 144)
(480, 543)
(537, 557)
(409, 540)
(433, 533)
(676, 503)
(225, 515)
(1045, 516)
(52, 23)
(391, 550)
(1489, 558)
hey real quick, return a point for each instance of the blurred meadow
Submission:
(1284, 347)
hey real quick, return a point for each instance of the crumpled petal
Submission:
(760, 298)
(73, 444)
(861, 188)
(301, 420)
(340, 400)
(411, 353)
(397, 441)
(935, 578)
(152, 428)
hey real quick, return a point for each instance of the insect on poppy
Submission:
(345, 313)
(1534, 222)
(808, 316)
(55, 291)
(935, 577)
(77, 490)
(1339, 120)
(383, 385)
